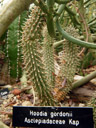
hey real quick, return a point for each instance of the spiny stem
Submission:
(48, 55)
(69, 63)
(32, 56)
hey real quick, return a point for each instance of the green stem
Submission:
(72, 15)
(84, 80)
(60, 9)
(92, 23)
(92, 20)
(89, 4)
(56, 44)
(72, 39)
(50, 22)
(94, 29)
(50, 25)
(86, 2)
(70, 11)
(43, 6)
(50, 4)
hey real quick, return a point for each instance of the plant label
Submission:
(4, 93)
(53, 117)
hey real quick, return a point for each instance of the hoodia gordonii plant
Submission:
(92, 103)
(69, 64)
(32, 57)
(48, 56)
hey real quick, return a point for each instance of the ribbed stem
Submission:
(12, 40)
(32, 57)
(69, 64)
(48, 56)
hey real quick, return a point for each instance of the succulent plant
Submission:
(33, 58)
(70, 59)
(69, 65)
(13, 49)
(48, 56)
